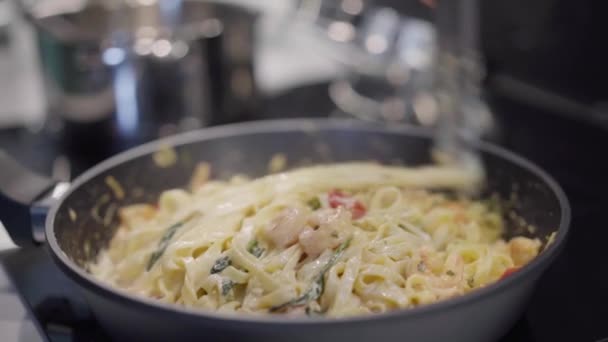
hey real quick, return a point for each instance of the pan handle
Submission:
(24, 200)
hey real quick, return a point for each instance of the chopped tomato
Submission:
(358, 210)
(508, 272)
(337, 198)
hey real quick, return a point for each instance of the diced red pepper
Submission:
(508, 272)
(337, 198)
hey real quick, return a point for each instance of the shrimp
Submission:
(330, 232)
(284, 230)
(523, 250)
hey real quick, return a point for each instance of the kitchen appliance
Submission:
(75, 234)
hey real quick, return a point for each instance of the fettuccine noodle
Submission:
(333, 240)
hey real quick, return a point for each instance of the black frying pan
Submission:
(79, 225)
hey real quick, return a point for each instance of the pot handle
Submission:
(24, 200)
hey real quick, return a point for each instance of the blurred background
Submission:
(87, 79)
(82, 80)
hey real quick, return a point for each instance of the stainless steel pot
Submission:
(75, 237)
(120, 74)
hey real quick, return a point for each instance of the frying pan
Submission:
(82, 220)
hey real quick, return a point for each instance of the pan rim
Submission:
(86, 280)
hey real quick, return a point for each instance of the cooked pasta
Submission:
(332, 240)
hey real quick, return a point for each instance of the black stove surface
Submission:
(571, 300)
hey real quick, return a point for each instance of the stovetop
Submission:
(571, 300)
